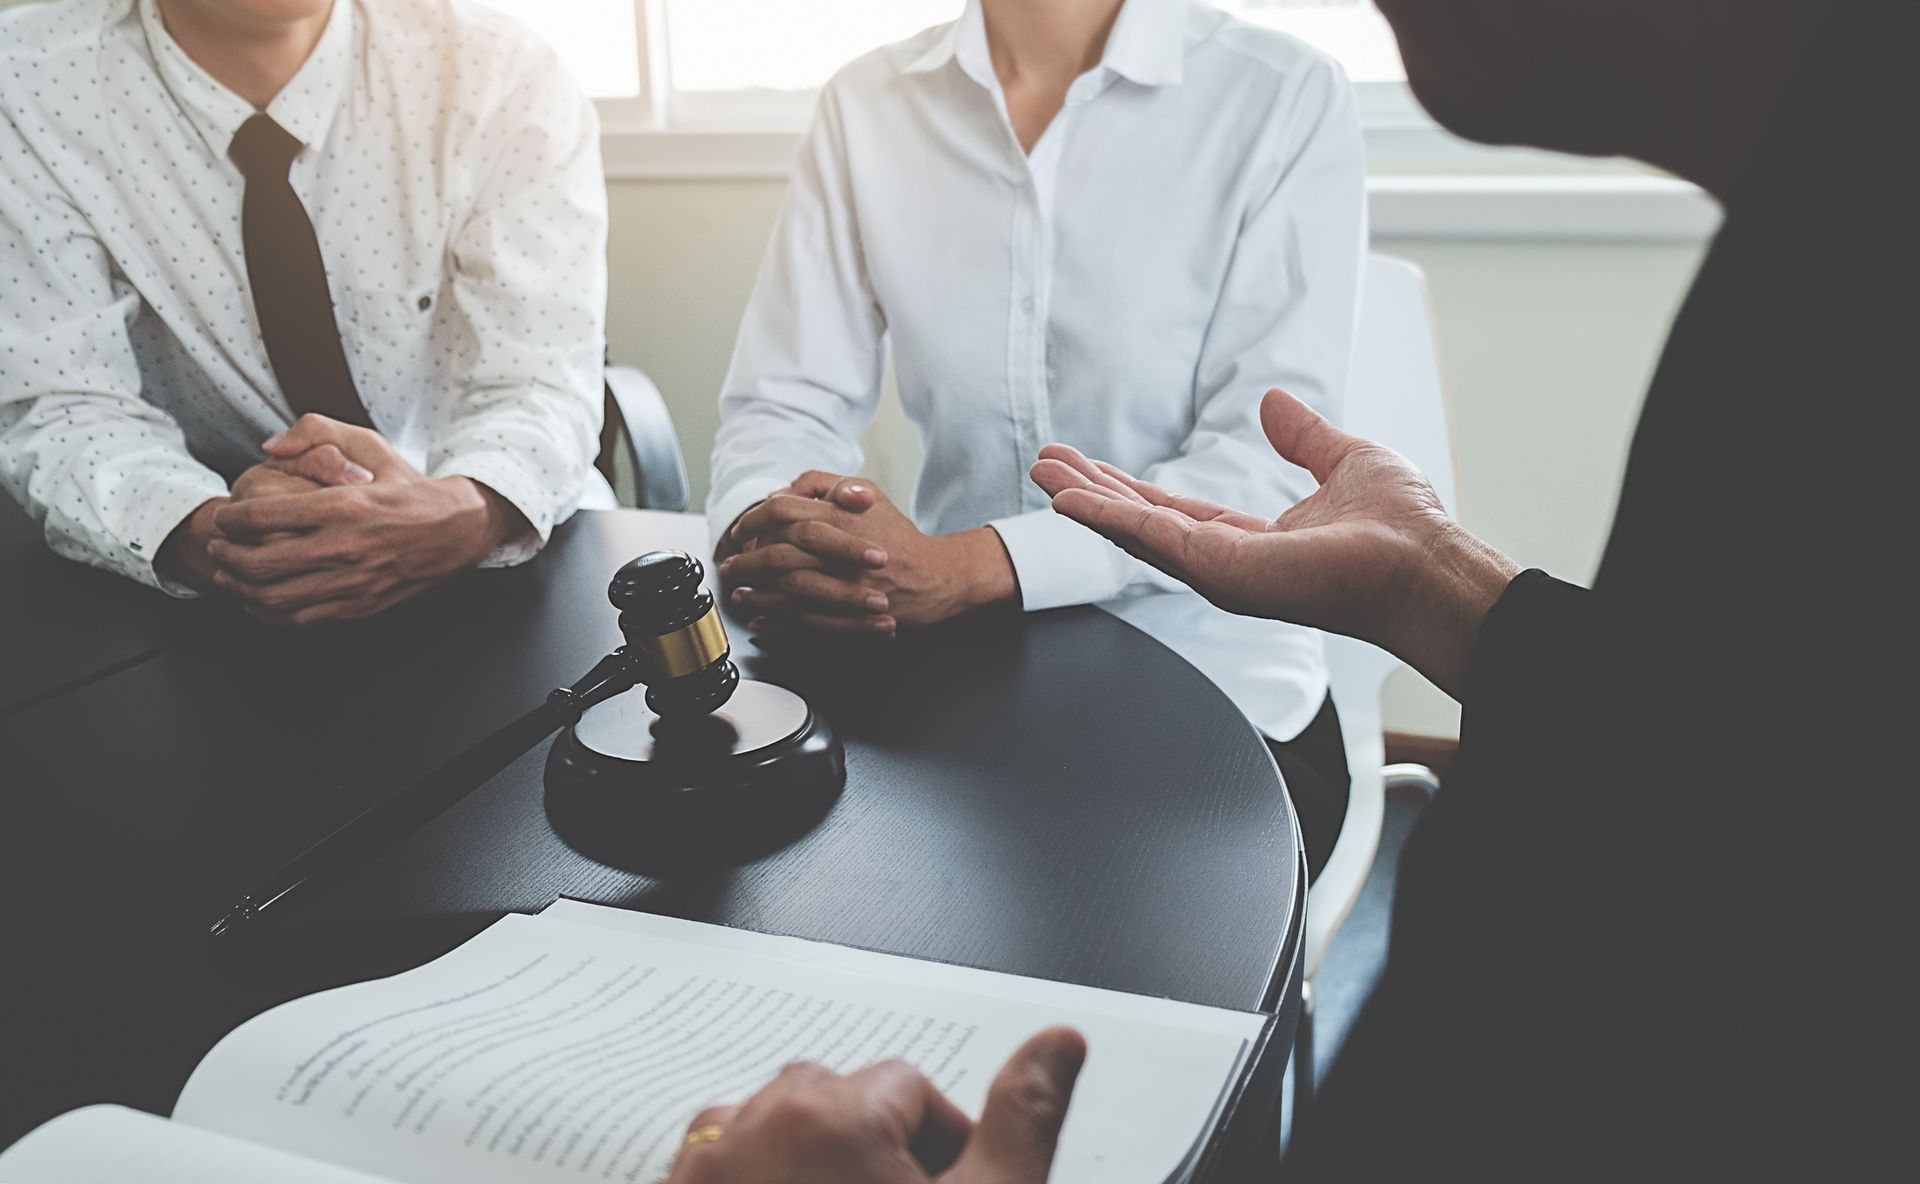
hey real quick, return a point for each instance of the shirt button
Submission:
(1026, 305)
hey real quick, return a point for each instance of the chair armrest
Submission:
(1411, 776)
(660, 469)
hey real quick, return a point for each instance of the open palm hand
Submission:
(1371, 553)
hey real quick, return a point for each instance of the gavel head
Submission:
(673, 626)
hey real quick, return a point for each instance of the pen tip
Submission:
(235, 919)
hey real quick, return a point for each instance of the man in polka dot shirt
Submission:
(150, 419)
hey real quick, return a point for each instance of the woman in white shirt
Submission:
(1111, 224)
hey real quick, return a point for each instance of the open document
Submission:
(579, 1043)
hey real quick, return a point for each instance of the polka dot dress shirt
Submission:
(452, 172)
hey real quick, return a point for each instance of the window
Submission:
(1351, 30)
(597, 38)
(718, 65)
(715, 46)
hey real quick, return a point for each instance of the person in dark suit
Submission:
(1658, 923)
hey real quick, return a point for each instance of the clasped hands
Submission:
(834, 553)
(332, 525)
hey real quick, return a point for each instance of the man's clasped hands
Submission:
(334, 524)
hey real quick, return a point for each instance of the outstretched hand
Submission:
(1371, 554)
(887, 1124)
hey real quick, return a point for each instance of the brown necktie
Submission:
(289, 280)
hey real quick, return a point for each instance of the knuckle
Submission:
(785, 556)
(804, 1071)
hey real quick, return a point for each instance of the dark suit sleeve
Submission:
(1536, 669)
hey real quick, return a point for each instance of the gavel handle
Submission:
(387, 822)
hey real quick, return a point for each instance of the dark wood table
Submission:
(63, 625)
(1054, 795)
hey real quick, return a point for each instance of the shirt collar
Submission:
(305, 106)
(1148, 44)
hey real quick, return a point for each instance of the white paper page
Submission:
(543, 1052)
(1041, 994)
(114, 1145)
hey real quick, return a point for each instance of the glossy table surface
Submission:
(1054, 795)
(62, 625)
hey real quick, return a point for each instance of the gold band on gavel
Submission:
(684, 651)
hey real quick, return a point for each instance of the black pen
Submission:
(386, 823)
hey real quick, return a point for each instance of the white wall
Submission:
(1547, 347)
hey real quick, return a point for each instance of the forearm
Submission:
(108, 479)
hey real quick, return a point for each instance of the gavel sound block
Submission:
(706, 765)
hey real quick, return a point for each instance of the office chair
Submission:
(637, 414)
(1395, 396)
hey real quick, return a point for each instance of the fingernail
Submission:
(875, 557)
(856, 489)
(876, 602)
(274, 441)
(358, 474)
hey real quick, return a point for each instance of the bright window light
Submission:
(792, 45)
(596, 38)
(1351, 30)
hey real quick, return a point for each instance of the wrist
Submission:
(986, 570)
(493, 520)
(1461, 579)
(182, 556)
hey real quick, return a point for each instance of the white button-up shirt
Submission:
(1186, 234)
(452, 173)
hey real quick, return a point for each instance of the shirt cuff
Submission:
(163, 507)
(1060, 562)
(506, 476)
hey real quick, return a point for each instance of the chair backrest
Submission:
(1394, 390)
(1394, 396)
(637, 416)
